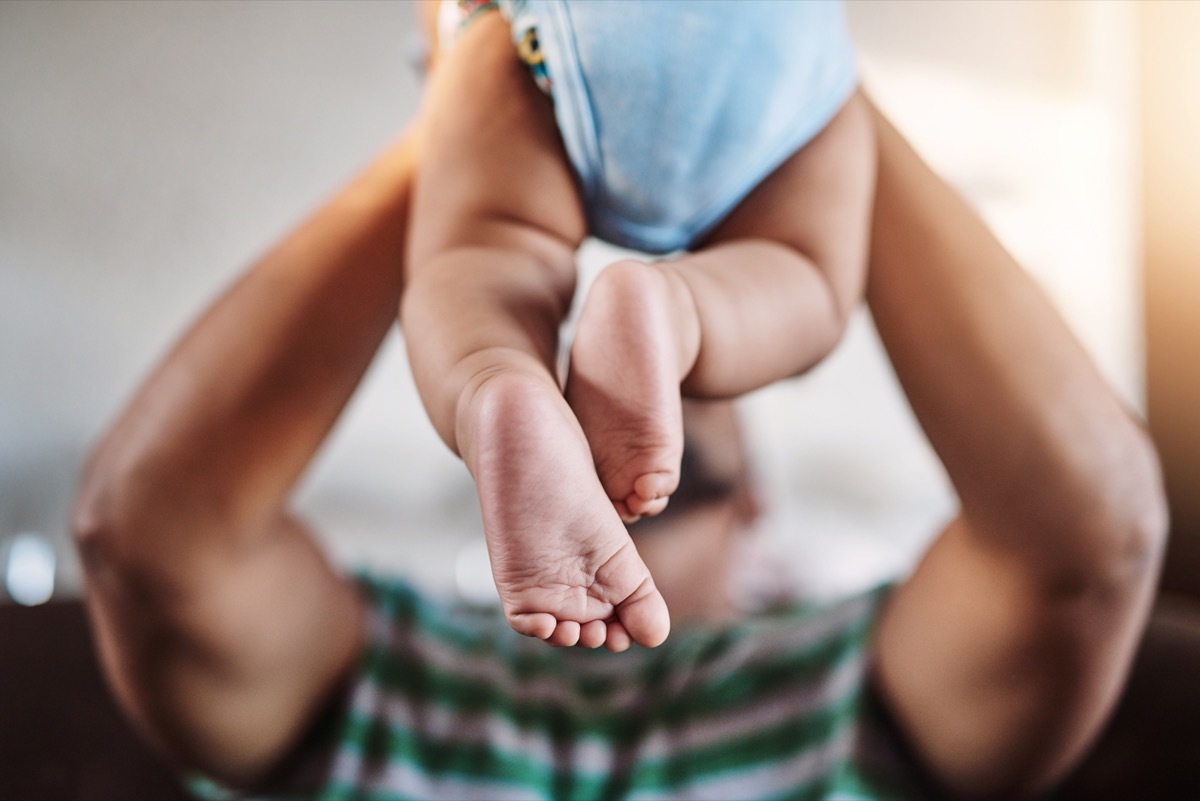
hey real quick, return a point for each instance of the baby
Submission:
(729, 134)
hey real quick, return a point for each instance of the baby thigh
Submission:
(776, 280)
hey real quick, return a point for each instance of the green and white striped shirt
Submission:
(450, 703)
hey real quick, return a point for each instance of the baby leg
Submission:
(496, 220)
(638, 336)
(765, 297)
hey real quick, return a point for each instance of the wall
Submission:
(1170, 71)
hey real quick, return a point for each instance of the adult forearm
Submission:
(1034, 440)
(218, 434)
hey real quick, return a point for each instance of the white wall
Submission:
(150, 150)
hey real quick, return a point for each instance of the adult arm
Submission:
(220, 625)
(1003, 653)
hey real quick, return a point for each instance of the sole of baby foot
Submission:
(563, 563)
(626, 364)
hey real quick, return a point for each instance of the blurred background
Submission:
(149, 151)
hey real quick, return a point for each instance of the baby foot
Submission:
(629, 354)
(565, 567)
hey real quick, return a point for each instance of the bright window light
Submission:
(29, 576)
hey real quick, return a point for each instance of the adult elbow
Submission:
(1123, 520)
(110, 513)
(1138, 504)
(96, 519)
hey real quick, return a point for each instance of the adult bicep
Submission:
(999, 673)
(224, 672)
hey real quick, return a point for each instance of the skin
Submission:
(1027, 609)
(497, 219)
(224, 632)
(221, 626)
(700, 589)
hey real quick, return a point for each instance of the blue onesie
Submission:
(672, 111)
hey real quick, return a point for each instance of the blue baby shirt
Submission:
(672, 111)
